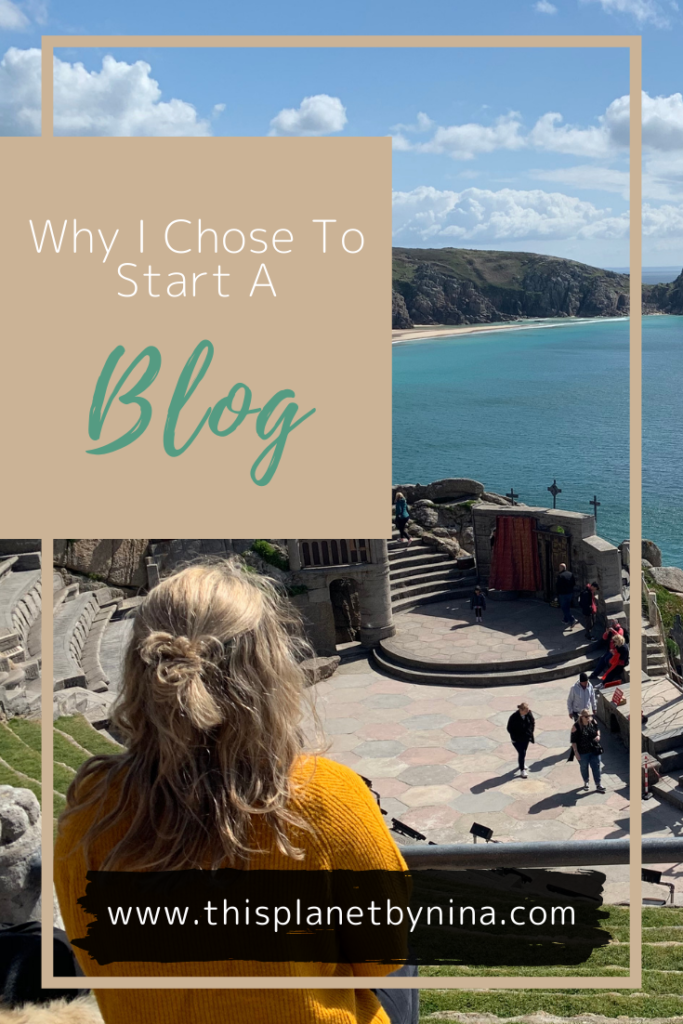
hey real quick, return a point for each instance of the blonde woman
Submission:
(213, 774)
(585, 740)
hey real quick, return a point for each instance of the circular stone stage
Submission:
(519, 641)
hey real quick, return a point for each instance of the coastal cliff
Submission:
(664, 298)
(470, 286)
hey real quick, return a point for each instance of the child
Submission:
(478, 602)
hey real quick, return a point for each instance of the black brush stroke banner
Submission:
(488, 918)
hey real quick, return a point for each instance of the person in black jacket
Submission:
(588, 606)
(521, 727)
(478, 603)
(564, 585)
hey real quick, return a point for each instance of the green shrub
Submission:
(270, 554)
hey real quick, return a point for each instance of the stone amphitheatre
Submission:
(410, 692)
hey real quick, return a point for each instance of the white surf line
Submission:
(535, 326)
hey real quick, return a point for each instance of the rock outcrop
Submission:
(651, 553)
(468, 286)
(664, 298)
(119, 562)
(454, 286)
(669, 577)
(19, 855)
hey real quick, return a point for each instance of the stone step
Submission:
(399, 571)
(662, 741)
(667, 789)
(428, 575)
(6, 564)
(464, 585)
(72, 623)
(433, 596)
(670, 760)
(19, 601)
(416, 554)
(95, 676)
(28, 560)
(440, 675)
(585, 652)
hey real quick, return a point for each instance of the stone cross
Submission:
(596, 505)
(555, 490)
(511, 495)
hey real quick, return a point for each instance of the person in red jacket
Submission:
(617, 664)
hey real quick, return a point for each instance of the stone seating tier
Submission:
(72, 622)
(19, 601)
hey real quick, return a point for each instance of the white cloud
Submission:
(423, 123)
(609, 138)
(316, 115)
(428, 216)
(661, 222)
(12, 17)
(549, 133)
(544, 7)
(642, 10)
(121, 99)
(586, 176)
(466, 141)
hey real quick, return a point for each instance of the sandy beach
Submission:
(444, 331)
(429, 333)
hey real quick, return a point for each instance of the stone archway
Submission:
(346, 610)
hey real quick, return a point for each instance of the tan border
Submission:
(634, 980)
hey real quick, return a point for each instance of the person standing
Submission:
(402, 516)
(581, 695)
(589, 607)
(564, 585)
(478, 602)
(585, 739)
(521, 725)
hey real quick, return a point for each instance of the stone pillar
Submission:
(294, 555)
(625, 548)
(374, 595)
(153, 576)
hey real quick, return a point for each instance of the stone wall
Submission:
(592, 558)
(374, 599)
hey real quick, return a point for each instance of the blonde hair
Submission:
(586, 713)
(209, 711)
(399, 495)
(618, 640)
(522, 706)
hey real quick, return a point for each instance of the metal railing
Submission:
(581, 853)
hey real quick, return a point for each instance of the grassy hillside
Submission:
(486, 269)
(74, 740)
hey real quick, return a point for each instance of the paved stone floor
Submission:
(440, 758)
(511, 631)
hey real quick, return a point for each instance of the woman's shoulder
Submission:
(329, 791)
(320, 778)
(348, 824)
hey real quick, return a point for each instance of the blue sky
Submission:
(518, 149)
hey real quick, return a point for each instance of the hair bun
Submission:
(161, 647)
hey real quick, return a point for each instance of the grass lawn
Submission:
(661, 994)
(90, 739)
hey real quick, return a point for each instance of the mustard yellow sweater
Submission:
(349, 834)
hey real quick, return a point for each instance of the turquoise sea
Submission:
(520, 407)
